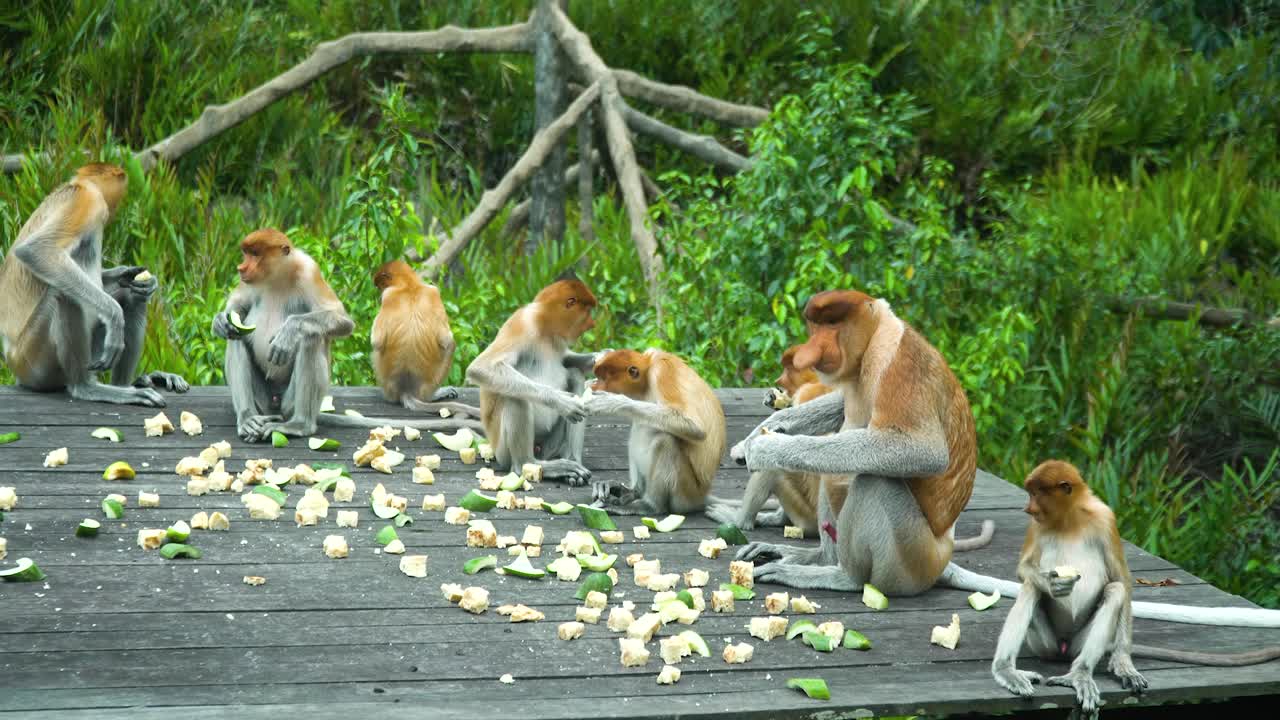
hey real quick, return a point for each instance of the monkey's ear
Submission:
(633, 371)
(567, 274)
(286, 250)
(1065, 487)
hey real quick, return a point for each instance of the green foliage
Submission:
(995, 170)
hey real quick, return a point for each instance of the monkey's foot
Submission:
(1130, 679)
(754, 550)
(255, 427)
(1087, 695)
(1016, 681)
(604, 492)
(571, 471)
(444, 393)
(162, 380)
(725, 513)
(808, 577)
(775, 518)
(96, 392)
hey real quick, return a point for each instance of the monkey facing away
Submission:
(677, 431)
(530, 383)
(66, 318)
(413, 346)
(1076, 597)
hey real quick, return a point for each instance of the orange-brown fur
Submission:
(798, 491)
(1059, 501)
(412, 345)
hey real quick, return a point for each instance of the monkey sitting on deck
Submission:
(65, 318)
(1076, 596)
(677, 431)
(412, 344)
(530, 383)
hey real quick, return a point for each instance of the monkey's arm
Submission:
(817, 417)
(498, 375)
(875, 451)
(664, 418)
(585, 362)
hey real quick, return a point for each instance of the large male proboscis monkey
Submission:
(66, 318)
(889, 379)
(677, 431)
(1080, 615)
(530, 383)
(413, 346)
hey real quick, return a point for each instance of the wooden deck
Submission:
(116, 631)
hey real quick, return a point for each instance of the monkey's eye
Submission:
(1065, 487)
(633, 371)
(571, 302)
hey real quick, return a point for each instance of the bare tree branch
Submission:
(586, 178)
(703, 147)
(1162, 309)
(578, 47)
(679, 97)
(546, 191)
(217, 119)
(519, 215)
(493, 200)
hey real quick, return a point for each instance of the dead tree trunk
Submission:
(586, 216)
(546, 209)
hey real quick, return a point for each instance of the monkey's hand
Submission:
(1016, 681)
(607, 403)
(1060, 586)
(223, 328)
(768, 451)
(568, 406)
(112, 340)
(284, 346)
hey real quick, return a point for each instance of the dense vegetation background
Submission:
(1050, 155)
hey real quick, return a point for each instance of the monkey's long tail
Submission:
(770, 504)
(348, 421)
(954, 576)
(981, 540)
(1253, 657)
(412, 403)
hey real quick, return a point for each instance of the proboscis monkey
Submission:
(66, 318)
(899, 422)
(677, 431)
(1075, 602)
(412, 344)
(530, 383)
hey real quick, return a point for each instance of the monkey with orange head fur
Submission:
(677, 431)
(413, 346)
(66, 318)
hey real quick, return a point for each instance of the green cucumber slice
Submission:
(731, 534)
(511, 482)
(476, 564)
(386, 535)
(595, 582)
(329, 465)
(401, 520)
(455, 442)
(739, 592)
(321, 444)
(696, 643)
(113, 509)
(383, 512)
(560, 508)
(685, 597)
(88, 528)
(25, 571)
(178, 532)
(819, 641)
(119, 470)
(174, 550)
(476, 501)
(978, 601)
(815, 688)
(278, 439)
(272, 492)
(855, 640)
(7, 438)
(597, 563)
(799, 627)
(238, 323)
(595, 518)
(873, 598)
(523, 568)
(665, 525)
(104, 433)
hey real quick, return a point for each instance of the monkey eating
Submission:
(66, 318)
(413, 346)
(1076, 599)
(530, 383)
(677, 431)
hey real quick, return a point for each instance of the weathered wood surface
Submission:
(120, 632)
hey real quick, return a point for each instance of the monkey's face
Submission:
(1052, 489)
(792, 379)
(839, 323)
(110, 180)
(625, 372)
(392, 273)
(262, 255)
(566, 307)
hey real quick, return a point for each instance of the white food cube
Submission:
(423, 476)
(645, 626)
(467, 455)
(190, 424)
(150, 539)
(506, 500)
(768, 628)
(200, 521)
(56, 458)
(803, 605)
(411, 433)
(620, 619)
(219, 521)
(305, 517)
(833, 629)
(688, 615)
(776, 603)
(490, 484)
(219, 480)
(696, 578)
(335, 546)
(197, 486)
(791, 531)
(532, 535)
(669, 675)
(223, 448)
(531, 472)
(611, 537)
(434, 503)
(721, 601)
(191, 466)
(457, 516)
(146, 499)
(570, 630)
(451, 591)
(507, 541)
(658, 583)
(532, 503)
(430, 462)
(482, 534)
(260, 506)
(736, 654)
(948, 637)
(384, 434)
(367, 452)
(485, 473)
(348, 518)
(533, 551)
(633, 652)
(587, 615)
(345, 490)
(8, 498)
(568, 569)
(671, 649)
(414, 565)
(641, 532)
(486, 451)
(742, 572)
(254, 580)
(711, 548)
(113, 496)
(646, 569)
(597, 600)
(395, 547)
(474, 600)
(698, 603)
(157, 426)
(634, 558)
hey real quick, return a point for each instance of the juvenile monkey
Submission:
(530, 383)
(65, 318)
(412, 344)
(793, 386)
(1079, 616)
(677, 431)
